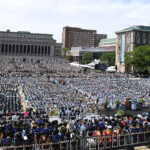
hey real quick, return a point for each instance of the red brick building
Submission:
(127, 40)
(75, 37)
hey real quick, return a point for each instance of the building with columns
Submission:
(28, 46)
(127, 40)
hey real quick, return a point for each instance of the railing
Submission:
(64, 145)
(115, 142)
(89, 143)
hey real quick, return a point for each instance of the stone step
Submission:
(142, 148)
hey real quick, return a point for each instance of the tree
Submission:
(148, 69)
(87, 58)
(106, 104)
(117, 103)
(142, 101)
(141, 58)
(128, 60)
(66, 51)
(109, 57)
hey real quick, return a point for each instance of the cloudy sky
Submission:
(50, 16)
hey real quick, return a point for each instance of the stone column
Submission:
(26, 49)
(48, 51)
(29, 50)
(10, 49)
(37, 50)
(15, 49)
(22, 49)
(4, 49)
(52, 51)
(0, 48)
(7, 53)
(18, 49)
(43, 50)
(33, 50)
(46, 54)
(40, 50)
(36, 47)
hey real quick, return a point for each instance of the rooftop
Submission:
(78, 29)
(90, 49)
(135, 28)
(24, 32)
(107, 41)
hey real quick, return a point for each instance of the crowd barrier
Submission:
(115, 142)
(90, 143)
(64, 145)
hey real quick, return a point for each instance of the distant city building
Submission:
(127, 40)
(28, 46)
(75, 37)
(76, 53)
(108, 44)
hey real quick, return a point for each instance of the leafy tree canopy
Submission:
(87, 58)
(109, 57)
(141, 58)
(66, 51)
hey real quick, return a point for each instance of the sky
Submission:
(50, 16)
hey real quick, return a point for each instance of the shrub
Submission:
(120, 112)
(117, 101)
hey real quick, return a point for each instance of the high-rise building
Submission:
(127, 40)
(26, 45)
(76, 37)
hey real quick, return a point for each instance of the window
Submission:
(138, 37)
(119, 57)
(119, 41)
(149, 38)
(144, 38)
(128, 34)
(128, 48)
(128, 40)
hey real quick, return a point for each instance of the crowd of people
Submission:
(28, 100)
(36, 128)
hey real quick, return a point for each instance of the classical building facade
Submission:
(28, 46)
(127, 40)
(77, 37)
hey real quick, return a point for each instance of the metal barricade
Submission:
(64, 145)
(115, 142)
(88, 143)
